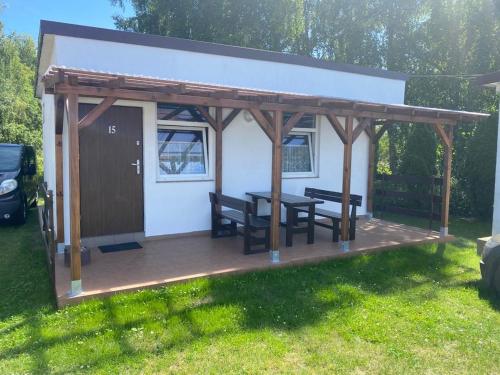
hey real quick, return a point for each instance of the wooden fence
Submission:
(47, 228)
(418, 196)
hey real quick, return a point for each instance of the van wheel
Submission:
(496, 278)
(19, 217)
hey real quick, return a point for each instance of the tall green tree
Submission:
(20, 114)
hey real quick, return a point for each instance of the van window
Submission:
(10, 158)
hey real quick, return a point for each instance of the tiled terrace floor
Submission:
(182, 258)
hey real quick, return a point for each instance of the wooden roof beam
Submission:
(191, 99)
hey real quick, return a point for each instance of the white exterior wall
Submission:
(246, 149)
(230, 71)
(49, 145)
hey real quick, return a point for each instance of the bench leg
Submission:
(310, 225)
(247, 239)
(352, 229)
(336, 230)
(215, 226)
(295, 217)
(215, 229)
(234, 228)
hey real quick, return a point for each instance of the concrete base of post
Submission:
(76, 288)
(443, 232)
(344, 246)
(60, 248)
(275, 256)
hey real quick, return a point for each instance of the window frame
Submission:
(313, 134)
(184, 125)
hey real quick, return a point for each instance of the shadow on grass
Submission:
(294, 297)
(282, 299)
(484, 293)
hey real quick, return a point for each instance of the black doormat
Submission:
(120, 247)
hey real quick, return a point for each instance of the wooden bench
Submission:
(335, 217)
(240, 212)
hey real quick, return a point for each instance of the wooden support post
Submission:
(446, 187)
(346, 184)
(59, 108)
(74, 196)
(371, 171)
(276, 186)
(59, 190)
(219, 125)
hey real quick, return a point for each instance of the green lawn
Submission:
(415, 310)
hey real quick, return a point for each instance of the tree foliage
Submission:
(441, 42)
(20, 115)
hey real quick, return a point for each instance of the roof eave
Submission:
(127, 37)
(490, 79)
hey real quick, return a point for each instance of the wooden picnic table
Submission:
(291, 201)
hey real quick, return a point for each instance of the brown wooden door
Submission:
(111, 188)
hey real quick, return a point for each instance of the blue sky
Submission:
(23, 16)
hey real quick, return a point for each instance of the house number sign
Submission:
(112, 129)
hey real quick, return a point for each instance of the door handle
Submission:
(137, 165)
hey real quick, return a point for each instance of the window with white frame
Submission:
(299, 148)
(182, 143)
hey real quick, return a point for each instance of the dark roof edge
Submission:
(96, 33)
(489, 78)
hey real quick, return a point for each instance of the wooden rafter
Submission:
(337, 126)
(292, 122)
(263, 122)
(97, 111)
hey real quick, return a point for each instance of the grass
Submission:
(414, 310)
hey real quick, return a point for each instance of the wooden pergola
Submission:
(266, 107)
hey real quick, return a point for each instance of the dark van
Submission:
(18, 190)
